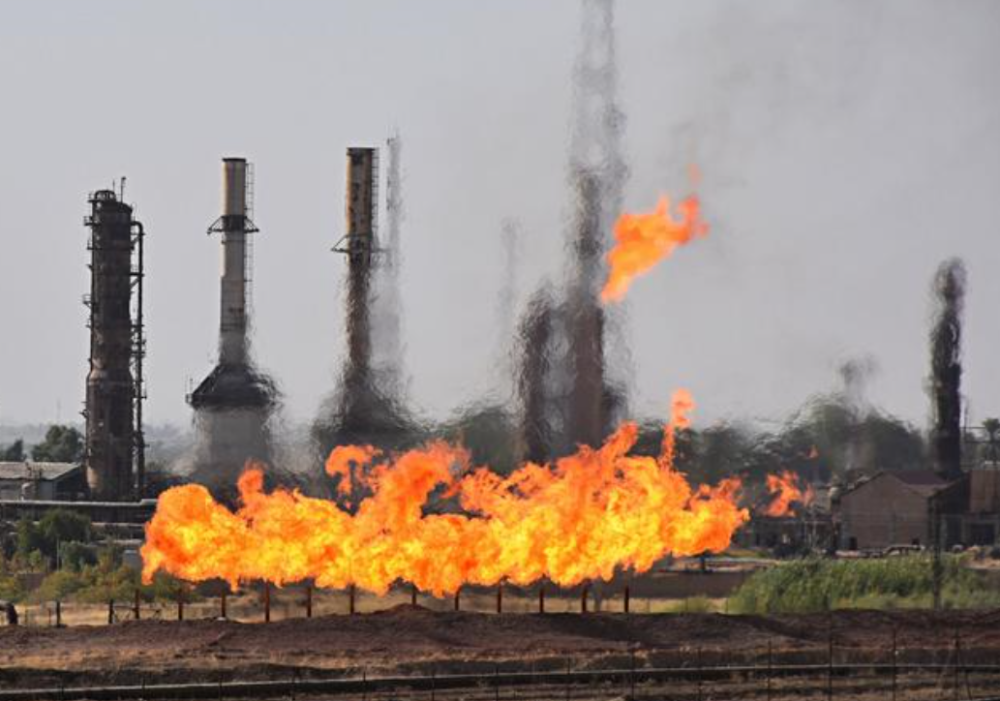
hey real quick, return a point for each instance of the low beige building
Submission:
(889, 508)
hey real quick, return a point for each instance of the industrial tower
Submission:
(114, 447)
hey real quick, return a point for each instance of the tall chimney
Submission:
(359, 244)
(234, 227)
(234, 383)
(113, 439)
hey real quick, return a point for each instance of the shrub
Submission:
(812, 585)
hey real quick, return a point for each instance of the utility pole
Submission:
(937, 566)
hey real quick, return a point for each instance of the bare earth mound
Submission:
(410, 639)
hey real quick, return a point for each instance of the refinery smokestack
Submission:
(234, 384)
(114, 445)
(365, 407)
(234, 227)
(234, 403)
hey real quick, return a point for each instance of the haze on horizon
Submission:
(845, 150)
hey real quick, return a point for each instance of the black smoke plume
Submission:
(946, 368)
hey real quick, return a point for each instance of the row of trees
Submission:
(61, 444)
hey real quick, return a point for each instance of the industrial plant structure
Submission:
(567, 396)
(366, 407)
(114, 451)
(234, 403)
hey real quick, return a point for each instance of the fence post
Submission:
(583, 598)
(458, 599)
(627, 597)
(180, 605)
(698, 661)
(222, 602)
(500, 596)
(541, 597)
(958, 652)
(631, 683)
(569, 670)
(350, 601)
(413, 594)
(136, 608)
(895, 654)
(309, 601)
(829, 658)
(58, 613)
(267, 601)
(111, 611)
(770, 667)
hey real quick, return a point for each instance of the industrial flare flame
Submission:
(643, 240)
(579, 519)
(786, 491)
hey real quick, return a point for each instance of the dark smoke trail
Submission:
(366, 408)
(510, 239)
(597, 174)
(387, 347)
(534, 380)
(946, 368)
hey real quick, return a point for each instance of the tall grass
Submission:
(812, 585)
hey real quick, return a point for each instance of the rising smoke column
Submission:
(563, 385)
(386, 299)
(535, 337)
(597, 173)
(946, 368)
(366, 407)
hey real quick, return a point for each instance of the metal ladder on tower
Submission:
(248, 247)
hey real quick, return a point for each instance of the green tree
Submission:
(991, 449)
(61, 444)
(57, 528)
(13, 452)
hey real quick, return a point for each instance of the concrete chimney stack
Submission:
(234, 383)
(234, 227)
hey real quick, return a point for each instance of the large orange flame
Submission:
(786, 491)
(643, 240)
(579, 519)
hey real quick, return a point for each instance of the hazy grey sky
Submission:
(846, 148)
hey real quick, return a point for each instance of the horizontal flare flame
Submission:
(579, 519)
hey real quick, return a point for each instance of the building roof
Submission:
(924, 482)
(30, 470)
(919, 478)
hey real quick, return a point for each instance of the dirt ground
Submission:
(415, 640)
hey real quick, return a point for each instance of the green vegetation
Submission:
(813, 585)
(61, 444)
(53, 534)
(76, 568)
(13, 452)
(693, 604)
